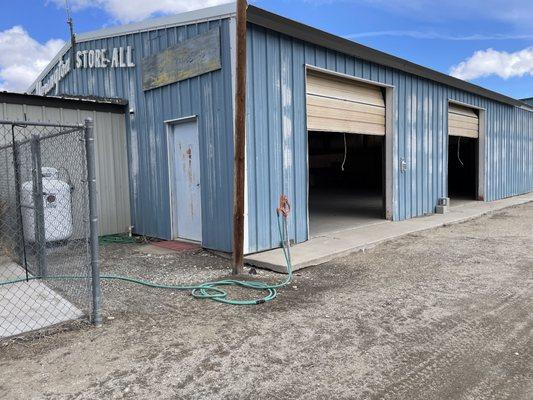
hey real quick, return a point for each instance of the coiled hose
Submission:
(210, 290)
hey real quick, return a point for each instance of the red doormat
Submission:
(176, 246)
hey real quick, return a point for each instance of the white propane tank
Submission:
(57, 207)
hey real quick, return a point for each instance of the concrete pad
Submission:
(329, 246)
(335, 210)
(29, 306)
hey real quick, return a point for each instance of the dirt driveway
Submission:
(444, 314)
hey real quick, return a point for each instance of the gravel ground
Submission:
(443, 314)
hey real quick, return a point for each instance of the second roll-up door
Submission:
(342, 105)
(462, 121)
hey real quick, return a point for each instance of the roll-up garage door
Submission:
(342, 105)
(462, 121)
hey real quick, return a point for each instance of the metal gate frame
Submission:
(88, 183)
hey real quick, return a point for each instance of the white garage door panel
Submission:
(346, 115)
(336, 105)
(344, 89)
(377, 114)
(342, 126)
(462, 121)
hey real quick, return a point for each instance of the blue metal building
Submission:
(207, 96)
(128, 62)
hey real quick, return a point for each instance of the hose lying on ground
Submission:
(209, 290)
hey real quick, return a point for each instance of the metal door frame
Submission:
(388, 141)
(480, 167)
(170, 124)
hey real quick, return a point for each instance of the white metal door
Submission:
(187, 195)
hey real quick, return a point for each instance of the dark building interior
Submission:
(462, 168)
(346, 181)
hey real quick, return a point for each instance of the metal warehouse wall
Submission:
(209, 96)
(277, 139)
(111, 157)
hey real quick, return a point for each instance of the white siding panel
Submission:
(111, 157)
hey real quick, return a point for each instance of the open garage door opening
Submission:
(345, 184)
(463, 157)
(346, 122)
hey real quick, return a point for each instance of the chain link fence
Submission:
(48, 226)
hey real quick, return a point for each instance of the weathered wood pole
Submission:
(240, 140)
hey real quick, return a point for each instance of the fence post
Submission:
(93, 223)
(16, 173)
(38, 206)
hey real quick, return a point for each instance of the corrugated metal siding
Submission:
(111, 157)
(277, 140)
(208, 96)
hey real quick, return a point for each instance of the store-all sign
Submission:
(61, 70)
(117, 57)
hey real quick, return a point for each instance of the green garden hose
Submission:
(209, 290)
(116, 239)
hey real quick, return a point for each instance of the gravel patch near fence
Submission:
(442, 314)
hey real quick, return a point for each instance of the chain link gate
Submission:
(48, 226)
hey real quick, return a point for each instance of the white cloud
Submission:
(135, 10)
(22, 58)
(492, 62)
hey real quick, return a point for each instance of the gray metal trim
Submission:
(66, 102)
(316, 36)
(185, 18)
(461, 103)
(180, 120)
(326, 71)
(482, 143)
(390, 144)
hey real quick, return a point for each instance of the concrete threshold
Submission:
(327, 247)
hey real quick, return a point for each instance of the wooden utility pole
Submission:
(240, 140)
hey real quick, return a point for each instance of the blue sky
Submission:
(488, 42)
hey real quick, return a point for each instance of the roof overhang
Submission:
(291, 28)
(67, 101)
(309, 34)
